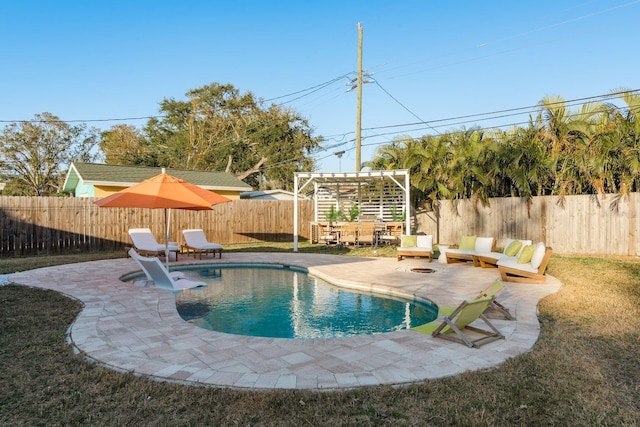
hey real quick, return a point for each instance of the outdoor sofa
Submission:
(512, 248)
(470, 248)
(528, 267)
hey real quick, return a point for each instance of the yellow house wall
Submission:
(104, 191)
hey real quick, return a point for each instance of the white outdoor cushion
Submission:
(494, 255)
(424, 242)
(144, 240)
(538, 255)
(512, 262)
(484, 244)
(195, 238)
(414, 249)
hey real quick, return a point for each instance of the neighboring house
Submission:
(100, 180)
(267, 195)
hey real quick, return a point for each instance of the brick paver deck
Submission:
(137, 329)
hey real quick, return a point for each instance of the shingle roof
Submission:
(126, 176)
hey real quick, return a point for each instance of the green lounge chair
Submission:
(453, 326)
(490, 291)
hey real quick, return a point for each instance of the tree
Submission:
(218, 128)
(593, 150)
(124, 145)
(37, 153)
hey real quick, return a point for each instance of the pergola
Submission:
(382, 195)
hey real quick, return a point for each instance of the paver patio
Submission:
(136, 329)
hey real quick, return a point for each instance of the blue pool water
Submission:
(282, 302)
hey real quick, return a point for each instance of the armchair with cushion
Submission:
(415, 246)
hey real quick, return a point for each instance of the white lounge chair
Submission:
(145, 243)
(175, 275)
(155, 271)
(196, 241)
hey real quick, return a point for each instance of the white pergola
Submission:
(376, 193)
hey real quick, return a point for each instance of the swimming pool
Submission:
(285, 302)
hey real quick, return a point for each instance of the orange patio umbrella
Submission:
(163, 192)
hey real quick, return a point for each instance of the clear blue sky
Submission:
(431, 60)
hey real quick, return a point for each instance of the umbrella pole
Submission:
(167, 216)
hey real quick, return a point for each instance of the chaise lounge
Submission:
(145, 243)
(196, 241)
(154, 270)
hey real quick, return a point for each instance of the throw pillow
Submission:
(513, 248)
(468, 243)
(423, 241)
(408, 241)
(538, 255)
(526, 254)
(484, 245)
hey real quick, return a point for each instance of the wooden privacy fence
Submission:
(52, 225)
(585, 224)
(49, 225)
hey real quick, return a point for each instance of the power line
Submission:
(482, 45)
(311, 89)
(401, 104)
(521, 110)
(85, 120)
(537, 107)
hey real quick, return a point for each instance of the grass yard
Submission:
(583, 371)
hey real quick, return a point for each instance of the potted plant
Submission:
(354, 212)
(395, 216)
(333, 215)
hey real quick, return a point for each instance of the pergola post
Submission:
(407, 205)
(295, 213)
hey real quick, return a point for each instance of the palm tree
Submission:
(565, 134)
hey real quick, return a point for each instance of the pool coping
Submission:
(138, 330)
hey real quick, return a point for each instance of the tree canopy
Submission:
(218, 128)
(593, 150)
(35, 154)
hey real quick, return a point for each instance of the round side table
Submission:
(442, 259)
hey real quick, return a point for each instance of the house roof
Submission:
(126, 176)
(266, 194)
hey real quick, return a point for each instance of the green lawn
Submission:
(583, 371)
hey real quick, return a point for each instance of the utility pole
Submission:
(359, 100)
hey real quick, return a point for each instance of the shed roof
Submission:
(126, 176)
